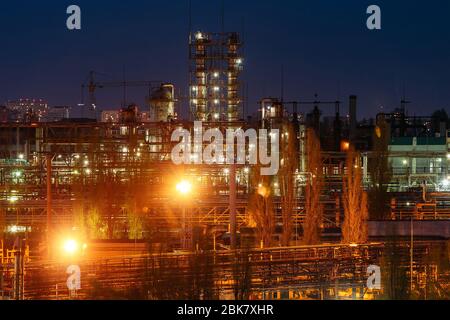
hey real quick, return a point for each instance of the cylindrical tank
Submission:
(162, 103)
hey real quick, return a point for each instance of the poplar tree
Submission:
(289, 165)
(313, 190)
(354, 228)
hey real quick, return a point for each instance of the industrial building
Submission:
(216, 63)
(54, 169)
(109, 176)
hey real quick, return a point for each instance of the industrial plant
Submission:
(100, 191)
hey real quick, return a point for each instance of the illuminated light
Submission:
(405, 162)
(216, 89)
(276, 185)
(17, 174)
(138, 154)
(70, 246)
(21, 156)
(17, 229)
(88, 171)
(378, 132)
(124, 149)
(345, 146)
(239, 61)
(195, 89)
(226, 171)
(76, 172)
(184, 187)
(194, 101)
(216, 74)
(77, 156)
(86, 162)
(353, 245)
(216, 116)
(246, 170)
(408, 204)
(59, 156)
(199, 36)
(263, 191)
(448, 156)
(446, 182)
(216, 101)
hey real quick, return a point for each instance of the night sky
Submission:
(324, 46)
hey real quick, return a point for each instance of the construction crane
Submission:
(92, 85)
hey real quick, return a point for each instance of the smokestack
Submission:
(352, 116)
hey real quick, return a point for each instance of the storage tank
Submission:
(162, 103)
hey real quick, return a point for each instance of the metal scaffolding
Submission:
(216, 63)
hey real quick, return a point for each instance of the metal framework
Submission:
(320, 272)
(214, 82)
(87, 159)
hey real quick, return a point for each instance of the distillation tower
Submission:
(215, 66)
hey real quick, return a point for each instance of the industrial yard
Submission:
(93, 205)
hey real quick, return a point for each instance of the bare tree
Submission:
(354, 228)
(380, 175)
(96, 228)
(289, 165)
(133, 207)
(261, 209)
(313, 190)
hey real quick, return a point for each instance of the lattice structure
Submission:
(216, 63)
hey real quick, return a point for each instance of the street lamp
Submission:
(13, 199)
(70, 246)
(184, 188)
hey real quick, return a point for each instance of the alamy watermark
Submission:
(74, 279)
(374, 277)
(374, 20)
(73, 22)
(263, 147)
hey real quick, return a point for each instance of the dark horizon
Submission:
(325, 48)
